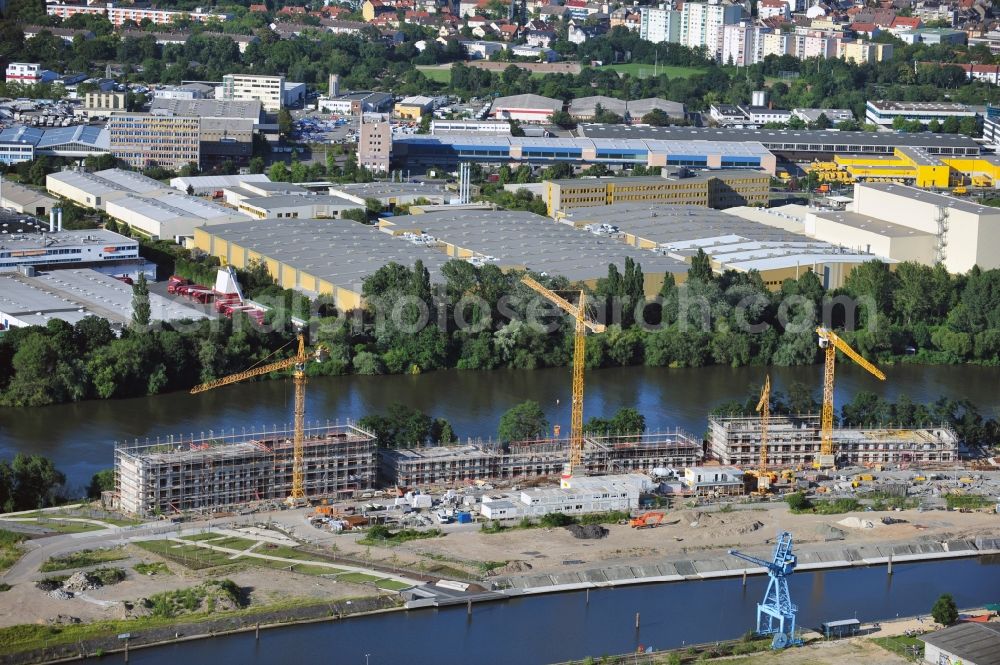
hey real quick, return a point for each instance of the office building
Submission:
(308, 206)
(59, 249)
(375, 146)
(268, 90)
(118, 15)
(884, 113)
(711, 189)
(28, 73)
(356, 103)
(143, 139)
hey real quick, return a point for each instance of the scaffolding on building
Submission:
(495, 461)
(796, 440)
(212, 472)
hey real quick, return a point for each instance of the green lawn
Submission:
(908, 647)
(435, 74)
(357, 578)
(10, 548)
(68, 527)
(233, 543)
(82, 559)
(189, 556)
(195, 537)
(392, 585)
(645, 71)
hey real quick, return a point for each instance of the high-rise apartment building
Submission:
(660, 24)
(375, 146)
(142, 140)
(702, 24)
(268, 90)
(743, 43)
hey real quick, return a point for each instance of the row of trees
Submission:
(480, 317)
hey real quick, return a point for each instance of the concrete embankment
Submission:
(717, 564)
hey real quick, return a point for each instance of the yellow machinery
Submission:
(764, 409)
(298, 361)
(830, 342)
(579, 313)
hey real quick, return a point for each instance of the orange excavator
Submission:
(647, 520)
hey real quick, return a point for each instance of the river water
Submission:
(80, 437)
(559, 627)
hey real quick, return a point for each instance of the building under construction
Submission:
(216, 472)
(545, 457)
(795, 441)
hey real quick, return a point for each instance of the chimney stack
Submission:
(59, 218)
(52, 220)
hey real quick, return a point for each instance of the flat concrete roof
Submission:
(523, 239)
(292, 200)
(886, 105)
(790, 217)
(924, 196)
(871, 224)
(694, 175)
(62, 239)
(111, 180)
(170, 205)
(680, 231)
(207, 108)
(21, 195)
(388, 190)
(526, 101)
(341, 252)
(776, 137)
(216, 181)
(74, 294)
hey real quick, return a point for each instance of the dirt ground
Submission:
(858, 650)
(685, 532)
(24, 603)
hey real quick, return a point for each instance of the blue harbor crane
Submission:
(776, 613)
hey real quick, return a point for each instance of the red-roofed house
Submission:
(869, 29)
(903, 23)
(293, 11)
(768, 8)
(258, 9)
(508, 33)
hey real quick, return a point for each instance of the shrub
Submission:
(797, 501)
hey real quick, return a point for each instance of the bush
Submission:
(798, 502)
(553, 520)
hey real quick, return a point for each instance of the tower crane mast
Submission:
(830, 343)
(579, 314)
(297, 495)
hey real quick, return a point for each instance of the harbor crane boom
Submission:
(830, 343)
(776, 613)
(298, 361)
(579, 314)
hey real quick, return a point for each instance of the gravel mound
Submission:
(80, 581)
(750, 528)
(856, 523)
(588, 532)
(511, 568)
(828, 533)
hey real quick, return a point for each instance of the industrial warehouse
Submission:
(794, 441)
(602, 455)
(731, 242)
(213, 472)
(327, 257)
(522, 240)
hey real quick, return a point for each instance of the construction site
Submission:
(494, 461)
(795, 441)
(211, 473)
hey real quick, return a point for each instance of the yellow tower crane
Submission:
(297, 497)
(579, 313)
(764, 409)
(830, 342)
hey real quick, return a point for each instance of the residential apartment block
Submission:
(268, 90)
(702, 24)
(375, 146)
(118, 15)
(142, 140)
(658, 25)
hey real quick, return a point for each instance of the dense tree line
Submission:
(28, 482)
(481, 317)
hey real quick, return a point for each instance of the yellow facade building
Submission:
(314, 256)
(711, 189)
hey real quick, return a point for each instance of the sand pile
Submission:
(856, 523)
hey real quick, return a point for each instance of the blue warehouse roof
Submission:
(48, 138)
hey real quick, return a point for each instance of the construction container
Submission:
(463, 517)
